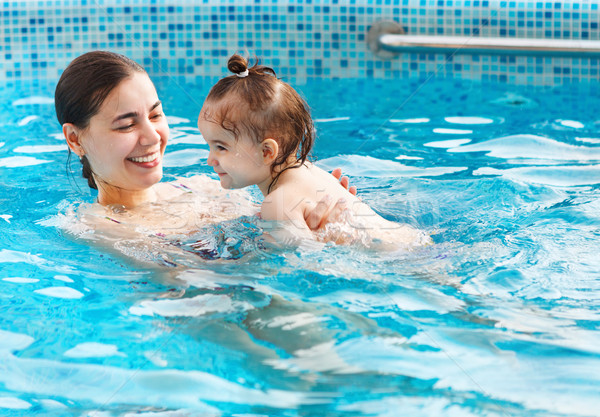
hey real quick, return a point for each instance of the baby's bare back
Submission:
(312, 184)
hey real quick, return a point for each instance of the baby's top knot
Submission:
(238, 65)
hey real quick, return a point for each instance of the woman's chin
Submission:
(155, 179)
(148, 180)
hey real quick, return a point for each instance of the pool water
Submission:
(499, 317)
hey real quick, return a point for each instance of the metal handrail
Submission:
(503, 46)
(387, 41)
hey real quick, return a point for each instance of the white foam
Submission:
(186, 138)
(19, 280)
(367, 166)
(2, 144)
(33, 100)
(411, 121)
(13, 403)
(52, 403)
(571, 123)
(93, 350)
(6, 217)
(469, 120)
(20, 161)
(97, 413)
(332, 119)
(407, 157)
(185, 158)
(27, 120)
(291, 321)
(156, 358)
(176, 413)
(184, 307)
(531, 146)
(589, 140)
(560, 176)
(445, 131)
(14, 341)
(63, 278)
(40, 148)
(174, 120)
(447, 143)
(60, 292)
(13, 256)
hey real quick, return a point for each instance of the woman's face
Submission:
(125, 141)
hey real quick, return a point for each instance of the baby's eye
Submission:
(221, 148)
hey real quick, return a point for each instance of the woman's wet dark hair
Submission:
(257, 103)
(83, 87)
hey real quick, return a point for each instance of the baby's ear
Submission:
(270, 150)
(72, 135)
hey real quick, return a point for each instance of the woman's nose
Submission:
(150, 134)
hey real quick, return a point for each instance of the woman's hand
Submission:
(324, 212)
(344, 180)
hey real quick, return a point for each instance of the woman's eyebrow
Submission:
(134, 114)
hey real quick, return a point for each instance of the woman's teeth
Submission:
(148, 158)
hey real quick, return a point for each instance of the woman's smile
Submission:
(147, 161)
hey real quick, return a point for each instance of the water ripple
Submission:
(367, 166)
(531, 146)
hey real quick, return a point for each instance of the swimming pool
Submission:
(499, 317)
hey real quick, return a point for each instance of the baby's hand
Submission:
(344, 180)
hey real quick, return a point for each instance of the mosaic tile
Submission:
(300, 38)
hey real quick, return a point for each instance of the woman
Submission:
(113, 120)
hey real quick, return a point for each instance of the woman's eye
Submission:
(125, 128)
(156, 116)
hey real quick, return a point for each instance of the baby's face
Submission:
(239, 161)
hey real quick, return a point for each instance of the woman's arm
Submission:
(324, 212)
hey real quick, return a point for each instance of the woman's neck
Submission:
(127, 198)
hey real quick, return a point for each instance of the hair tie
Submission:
(243, 74)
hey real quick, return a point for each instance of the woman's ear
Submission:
(270, 150)
(72, 135)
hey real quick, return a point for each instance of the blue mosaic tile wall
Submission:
(299, 38)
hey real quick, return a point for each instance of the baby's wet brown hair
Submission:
(258, 104)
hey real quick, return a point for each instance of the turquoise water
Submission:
(499, 317)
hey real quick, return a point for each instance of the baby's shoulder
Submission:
(286, 202)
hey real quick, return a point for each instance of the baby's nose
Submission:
(211, 161)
